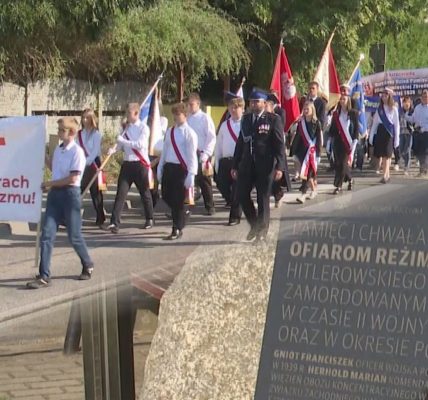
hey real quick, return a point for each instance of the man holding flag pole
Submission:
(136, 167)
(286, 105)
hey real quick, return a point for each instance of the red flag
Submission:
(283, 83)
(326, 76)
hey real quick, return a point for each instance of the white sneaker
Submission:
(301, 199)
(313, 195)
(378, 172)
(396, 167)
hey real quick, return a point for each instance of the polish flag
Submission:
(326, 76)
(283, 84)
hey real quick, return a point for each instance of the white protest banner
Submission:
(22, 155)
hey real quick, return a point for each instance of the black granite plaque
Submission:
(348, 314)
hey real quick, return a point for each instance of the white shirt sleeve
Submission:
(191, 149)
(219, 147)
(140, 143)
(210, 137)
(96, 149)
(396, 128)
(166, 143)
(375, 124)
(78, 161)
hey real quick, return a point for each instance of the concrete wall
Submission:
(70, 97)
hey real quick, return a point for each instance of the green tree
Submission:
(307, 25)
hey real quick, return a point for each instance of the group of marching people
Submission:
(249, 152)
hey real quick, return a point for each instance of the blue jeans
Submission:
(63, 205)
(406, 149)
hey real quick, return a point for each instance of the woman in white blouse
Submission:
(385, 131)
(89, 139)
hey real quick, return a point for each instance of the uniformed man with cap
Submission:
(259, 159)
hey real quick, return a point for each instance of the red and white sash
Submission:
(189, 193)
(82, 145)
(231, 132)
(101, 178)
(310, 159)
(144, 162)
(350, 145)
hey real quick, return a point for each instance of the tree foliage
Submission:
(109, 39)
(307, 25)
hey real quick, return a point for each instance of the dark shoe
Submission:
(276, 203)
(351, 184)
(211, 211)
(337, 191)
(149, 224)
(252, 235)
(383, 180)
(228, 205)
(175, 234)
(86, 274)
(38, 283)
(113, 228)
(234, 222)
(168, 216)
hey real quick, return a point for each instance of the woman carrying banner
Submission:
(89, 139)
(385, 132)
(306, 146)
(177, 167)
(344, 135)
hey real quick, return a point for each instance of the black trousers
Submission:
(206, 185)
(342, 171)
(173, 192)
(262, 181)
(229, 188)
(96, 194)
(132, 172)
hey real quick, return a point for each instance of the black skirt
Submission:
(420, 143)
(383, 143)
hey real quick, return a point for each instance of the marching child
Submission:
(63, 204)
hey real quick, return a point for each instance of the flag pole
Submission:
(114, 147)
(356, 67)
(102, 166)
(325, 50)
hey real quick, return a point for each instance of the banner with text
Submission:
(22, 150)
(348, 313)
(409, 82)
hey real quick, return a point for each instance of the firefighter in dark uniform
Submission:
(259, 160)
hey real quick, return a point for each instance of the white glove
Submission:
(111, 151)
(189, 181)
(204, 157)
(121, 139)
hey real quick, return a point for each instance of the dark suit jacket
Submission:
(278, 110)
(265, 139)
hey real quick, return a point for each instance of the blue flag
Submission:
(145, 109)
(357, 93)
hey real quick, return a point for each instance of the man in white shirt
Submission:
(420, 136)
(204, 127)
(63, 203)
(225, 148)
(134, 142)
